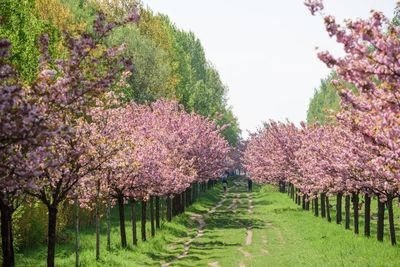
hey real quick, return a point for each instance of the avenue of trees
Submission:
(351, 152)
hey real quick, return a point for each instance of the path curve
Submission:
(200, 227)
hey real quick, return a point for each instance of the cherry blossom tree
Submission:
(371, 64)
(71, 89)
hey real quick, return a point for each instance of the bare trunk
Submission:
(108, 223)
(316, 206)
(133, 218)
(328, 211)
(6, 235)
(183, 202)
(153, 231)
(143, 220)
(169, 209)
(77, 232)
(391, 220)
(347, 212)
(122, 220)
(339, 208)
(381, 217)
(187, 197)
(367, 218)
(355, 209)
(157, 212)
(98, 224)
(323, 206)
(51, 245)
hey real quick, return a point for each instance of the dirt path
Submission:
(200, 227)
(243, 215)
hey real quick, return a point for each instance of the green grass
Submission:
(151, 253)
(305, 240)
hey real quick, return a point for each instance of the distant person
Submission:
(250, 185)
(225, 180)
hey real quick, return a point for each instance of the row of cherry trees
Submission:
(358, 151)
(68, 136)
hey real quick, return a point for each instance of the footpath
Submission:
(229, 234)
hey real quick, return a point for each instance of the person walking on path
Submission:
(249, 185)
(225, 180)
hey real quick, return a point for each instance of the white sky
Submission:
(265, 50)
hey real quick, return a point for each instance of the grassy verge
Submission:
(167, 243)
(312, 241)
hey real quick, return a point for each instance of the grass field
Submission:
(275, 232)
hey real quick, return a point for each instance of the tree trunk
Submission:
(108, 224)
(303, 202)
(133, 218)
(169, 209)
(380, 223)
(143, 220)
(367, 218)
(295, 196)
(157, 212)
(182, 202)
(187, 192)
(174, 208)
(355, 208)
(339, 208)
(323, 206)
(347, 212)
(122, 220)
(6, 235)
(307, 203)
(98, 225)
(316, 206)
(163, 203)
(77, 232)
(293, 191)
(153, 231)
(288, 192)
(298, 199)
(173, 212)
(391, 220)
(51, 239)
(328, 211)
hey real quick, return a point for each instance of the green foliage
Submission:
(30, 223)
(151, 70)
(396, 18)
(83, 11)
(325, 99)
(20, 25)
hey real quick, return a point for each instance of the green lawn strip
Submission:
(154, 252)
(312, 241)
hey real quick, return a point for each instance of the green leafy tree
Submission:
(151, 71)
(20, 25)
(325, 99)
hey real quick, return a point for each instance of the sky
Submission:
(264, 50)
